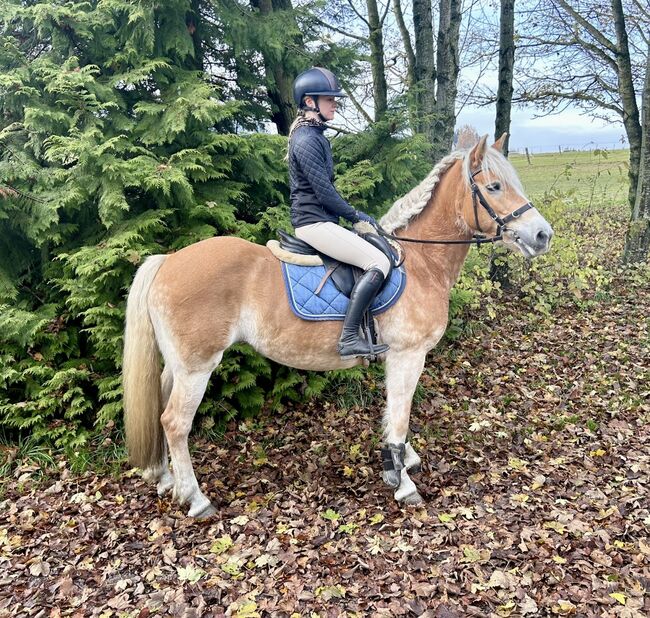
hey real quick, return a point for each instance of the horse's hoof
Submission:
(208, 511)
(392, 478)
(414, 499)
(415, 469)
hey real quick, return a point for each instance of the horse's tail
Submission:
(141, 373)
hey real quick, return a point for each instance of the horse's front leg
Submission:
(403, 369)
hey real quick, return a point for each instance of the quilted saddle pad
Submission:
(330, 304)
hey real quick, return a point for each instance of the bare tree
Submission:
(637, 244)
(447, 78)
(351, 21)
(467, 136)
(587, 54)
(436, 73)
(506, 70)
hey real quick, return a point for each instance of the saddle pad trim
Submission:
(337, 312)
(292, 258)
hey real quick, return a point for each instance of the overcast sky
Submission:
(570, 129)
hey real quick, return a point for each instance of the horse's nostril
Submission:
(543, 237)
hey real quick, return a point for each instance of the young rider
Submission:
(316, 206)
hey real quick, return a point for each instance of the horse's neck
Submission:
(439, 221)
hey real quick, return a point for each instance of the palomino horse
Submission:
(194, 304)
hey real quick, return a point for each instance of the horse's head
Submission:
(495, 203)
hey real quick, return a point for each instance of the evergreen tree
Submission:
(113, 146)
(122, 136)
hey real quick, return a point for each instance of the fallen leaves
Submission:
(535, 443)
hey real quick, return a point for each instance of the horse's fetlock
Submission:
(412, 460)
(165, 484)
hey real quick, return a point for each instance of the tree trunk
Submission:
(637, 245)
(499, 267)
(376, 41)
(628, 98)
(506, 69)
(194, 28)
(410, 63)
(447, 77)
(279, 79)
(406, 40)
(424, 88)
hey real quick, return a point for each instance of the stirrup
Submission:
(370, 352)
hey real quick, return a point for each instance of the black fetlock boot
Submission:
(351, 344)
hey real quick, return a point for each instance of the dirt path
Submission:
(536, 452)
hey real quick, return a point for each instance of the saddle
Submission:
(342, 275)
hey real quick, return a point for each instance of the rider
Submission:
(316, 205)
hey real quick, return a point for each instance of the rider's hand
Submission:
(364, 217)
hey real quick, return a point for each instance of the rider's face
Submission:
(327, 105)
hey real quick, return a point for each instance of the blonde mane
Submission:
(494, 165)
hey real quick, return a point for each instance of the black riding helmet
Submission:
(314, 82)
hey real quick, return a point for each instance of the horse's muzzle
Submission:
(532, 238)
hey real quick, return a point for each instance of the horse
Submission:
(190, 306)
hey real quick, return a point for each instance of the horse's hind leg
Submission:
(186, 394)
(403, 371)
(160, 473)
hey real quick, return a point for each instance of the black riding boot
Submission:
(363, 293)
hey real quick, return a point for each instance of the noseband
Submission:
(478, 239)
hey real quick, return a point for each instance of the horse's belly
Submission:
(276, 333)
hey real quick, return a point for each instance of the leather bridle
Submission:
(478, 239)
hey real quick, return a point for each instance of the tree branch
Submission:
(383, 17)
(340, 130)
(343, 32)
(598, 51)
(644, 11)
(359, 15)
(597, 34)
(358, 105)
(568, 96)
(406, 40)
(575, 41)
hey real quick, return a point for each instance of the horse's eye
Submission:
(493, 187)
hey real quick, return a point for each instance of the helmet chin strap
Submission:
(316, 109)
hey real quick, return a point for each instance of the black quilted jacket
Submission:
(311, 179)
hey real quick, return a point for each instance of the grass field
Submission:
(590, 175)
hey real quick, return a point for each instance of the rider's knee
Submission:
(382, 264)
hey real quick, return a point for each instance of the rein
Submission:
(477, 239)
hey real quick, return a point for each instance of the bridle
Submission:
(478, 239)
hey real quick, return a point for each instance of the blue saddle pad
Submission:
(330, 304)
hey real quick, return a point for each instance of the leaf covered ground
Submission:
(536, 462)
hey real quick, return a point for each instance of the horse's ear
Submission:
(500, 143)
(477, 153)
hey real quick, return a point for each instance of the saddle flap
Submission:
(343, 275)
